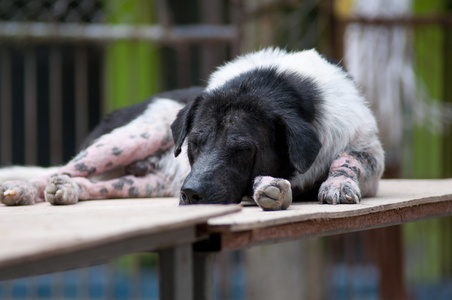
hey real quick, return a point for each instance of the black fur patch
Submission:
(134, 192)
(81, 167)
(118, 185)
(92, 170)
(260, 123)
(145, 135)
(126, 181)
(116, 151)
(367, 161)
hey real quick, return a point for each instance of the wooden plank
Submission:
(95, 254)
(39, 232)
(393, 195)
(399, 201)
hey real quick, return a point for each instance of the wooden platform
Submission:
(398, 201)
(44, 238)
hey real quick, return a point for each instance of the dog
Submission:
(272, 126)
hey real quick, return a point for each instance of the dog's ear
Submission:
(303, 143)
(182, 125)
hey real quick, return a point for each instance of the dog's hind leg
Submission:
(351, 176)
(23, 192)
(117, 149)
(147, 135)
(63, 189)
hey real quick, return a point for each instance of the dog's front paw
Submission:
(272, 193)
(62, 190)
(337, 190)
(18, 193)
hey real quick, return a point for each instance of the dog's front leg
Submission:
(351, 176)
(63, 189)
(272, 193)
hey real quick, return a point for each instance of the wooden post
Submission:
(388, 250)
(203, 270)
(175, 270)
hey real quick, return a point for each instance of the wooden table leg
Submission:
(175, 270)
(203, 270)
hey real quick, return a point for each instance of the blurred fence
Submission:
(65, 63)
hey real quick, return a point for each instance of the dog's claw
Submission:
(338, 191)
(10, 193)
(59, 194)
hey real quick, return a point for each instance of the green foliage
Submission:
(428, 150)
(428, 244)
(131, 67)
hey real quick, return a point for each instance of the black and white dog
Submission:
(271, 126)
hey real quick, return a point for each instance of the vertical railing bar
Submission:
(83, 283)
(30, 107)
(211, 55)
(236, 15)
(183, 59)
(106, 95)
(55, 106)
(103, 85)
(109, 288)
(81, 95)
(58, 286)
(6, 107)
(132, 71)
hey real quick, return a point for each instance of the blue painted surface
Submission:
(102, 282)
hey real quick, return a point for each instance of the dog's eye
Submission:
(194, 144)
(242, 151)
(241, 155)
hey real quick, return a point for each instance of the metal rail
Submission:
(36, 31)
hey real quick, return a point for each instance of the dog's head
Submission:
(241, 131)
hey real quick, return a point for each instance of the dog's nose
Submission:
(189, 196)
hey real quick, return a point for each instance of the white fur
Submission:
(347, 123)
(24, 173)
(176, 169)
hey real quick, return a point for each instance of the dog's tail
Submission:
(24, 173)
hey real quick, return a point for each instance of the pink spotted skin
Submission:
(99, 171)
